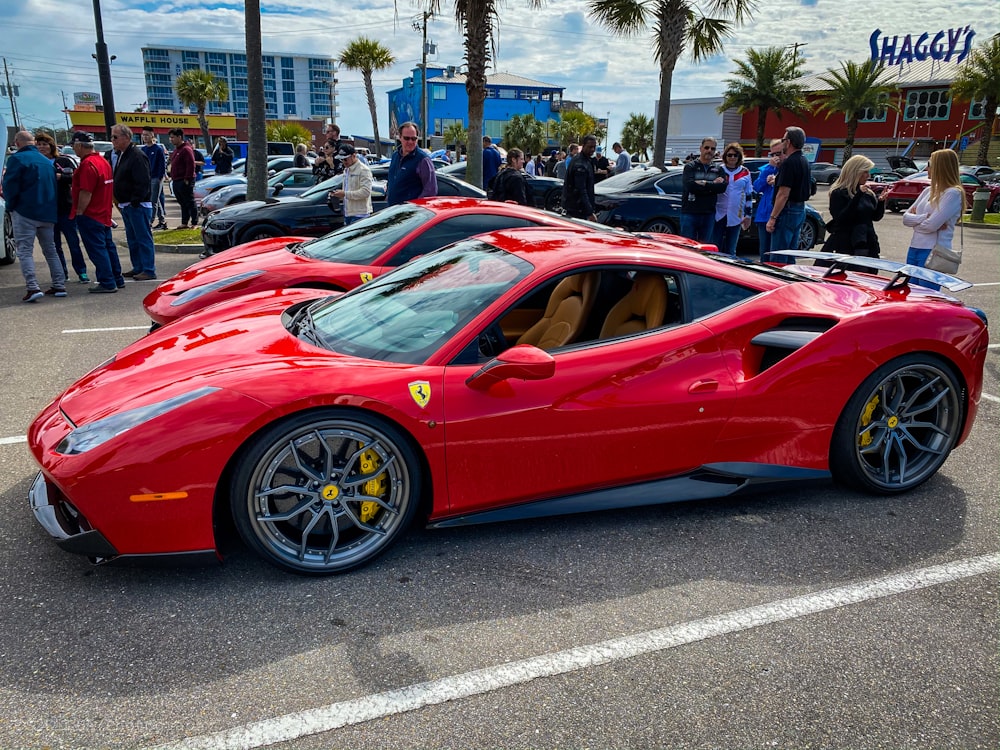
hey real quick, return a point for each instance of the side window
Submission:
(446, 188)
(707, 295)
(454, 229)
(671, 184)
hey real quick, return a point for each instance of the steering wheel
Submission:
(492, 341)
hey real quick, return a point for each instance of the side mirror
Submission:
(523, 362)
(278, 188)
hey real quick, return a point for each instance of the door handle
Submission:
(704, 386)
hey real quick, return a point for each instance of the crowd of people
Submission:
(55, 200)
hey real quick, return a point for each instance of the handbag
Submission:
(945, 259)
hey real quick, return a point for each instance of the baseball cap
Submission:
(80, 137)
(346, 149)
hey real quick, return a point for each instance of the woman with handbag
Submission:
(934, 215)
(854, 208)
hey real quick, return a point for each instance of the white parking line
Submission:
(102, 330)
(994, 399)
(367, 708)
(13, 440)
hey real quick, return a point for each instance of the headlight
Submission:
(221, 225)
(83, 439)
(200, 291)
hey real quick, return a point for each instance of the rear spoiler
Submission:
(902, 271)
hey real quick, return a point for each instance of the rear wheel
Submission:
(553, 201)
(662, 226)
(899, 426)
(995, 205)
(9, 246)
(807, 235)
(325, 491)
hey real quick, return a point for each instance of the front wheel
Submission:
(553, 201)
(659, 226)
(995, 205)
(260, 232)
(9, 245)
(807, 235)
(325, 491)
(899, 426)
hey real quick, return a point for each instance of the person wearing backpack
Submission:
(511, 184)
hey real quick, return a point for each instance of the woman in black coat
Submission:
(855, 208)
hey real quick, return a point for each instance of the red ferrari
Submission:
(344, 258)
(516, 374)
(903, 193)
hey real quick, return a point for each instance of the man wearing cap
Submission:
(29, 188)
(356, 192)
(411, 172)
(132, 192)
(92, 195)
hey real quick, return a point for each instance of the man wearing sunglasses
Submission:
(411, 171)
(703, 183)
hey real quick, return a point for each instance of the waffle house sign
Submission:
(161, 123)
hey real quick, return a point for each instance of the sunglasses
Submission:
(732, 154)
(708, 148)
(408, 138)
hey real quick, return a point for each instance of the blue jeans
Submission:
(139, 236)
(698, 227)
(726, 237)
(102, 252)
(763, 240)
(352, 219)
(25, 232)
(787, 230)
(66, 227)
(917, 256)
(156, 198)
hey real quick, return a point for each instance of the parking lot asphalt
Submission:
(807, 617)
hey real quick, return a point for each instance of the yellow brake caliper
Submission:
(866, 418)
(373, 487)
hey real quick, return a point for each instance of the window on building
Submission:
(192, 66)
(287, 74)
(494, 128)
(927, 104)
(874, 114)
(188, 56)
(290, 109)
(507, 93)
(287, 62)
(215, 58)
(156, 54)
(977, 110)
(438, 92)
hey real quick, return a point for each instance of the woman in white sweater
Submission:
(934, 214)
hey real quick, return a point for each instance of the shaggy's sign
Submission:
(941, 46)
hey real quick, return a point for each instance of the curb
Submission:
(180, 249)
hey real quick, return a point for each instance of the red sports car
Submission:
(516, 374)
(344, 258)
(904, 192)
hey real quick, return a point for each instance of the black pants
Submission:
(184, 193)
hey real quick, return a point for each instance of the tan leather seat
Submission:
(567, 310)
(644, 307)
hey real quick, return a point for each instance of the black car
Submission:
(545, 192)
(309, 214)
(651, 202)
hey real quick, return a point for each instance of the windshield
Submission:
(362, 242)
(627, 180)
(407, 315)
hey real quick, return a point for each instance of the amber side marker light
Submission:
(157, 496)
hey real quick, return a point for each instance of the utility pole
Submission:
(104, 72)
(795, 50)
(422, 26)
(13, 100)
(65, 114)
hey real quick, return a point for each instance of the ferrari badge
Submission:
(420, 391)
(366, 277)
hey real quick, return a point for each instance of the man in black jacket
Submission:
(132, 194)
(704, 180)
(578, 189)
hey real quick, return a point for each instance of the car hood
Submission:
(240, 346)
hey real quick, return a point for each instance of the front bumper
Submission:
(65, 524)
(217, 240)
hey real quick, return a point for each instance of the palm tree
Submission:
(526, 133)
(573, 126)
(853, 89)
(256, 130)
(456, 134)
(765, 81)
(637, 134)
(196, 88)
(675, 25)
(979, 78)
(368, 55)
(288, 132)
(477, 19)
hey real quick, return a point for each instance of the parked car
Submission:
(7, 230)
(880, 181)
(544, 192)
(651, 202)
(321, 424)
(904, 192)
(307, 214)
(210, 184)
(344, 258)
(904, 165)
(286, 182)
(824, 172)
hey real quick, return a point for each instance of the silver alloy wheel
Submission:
(807, 235)
(660, 226)
(324, 494)
(9, 245)
(904, 427)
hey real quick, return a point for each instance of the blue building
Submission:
(447, 101)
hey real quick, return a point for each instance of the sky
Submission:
(48, 46)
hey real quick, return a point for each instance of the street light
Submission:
(104, 72)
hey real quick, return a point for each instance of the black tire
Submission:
(298, 494)
(899, 426)
(994, 206)
(894, 207)
(808, 234)
(553, 201)
(661, 226)
(832, 179)
(258, 232)
(9, 246)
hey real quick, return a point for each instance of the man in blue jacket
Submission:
(29, 188)
(411, 171)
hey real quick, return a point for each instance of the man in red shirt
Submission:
(182, 177)
(91, 207)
